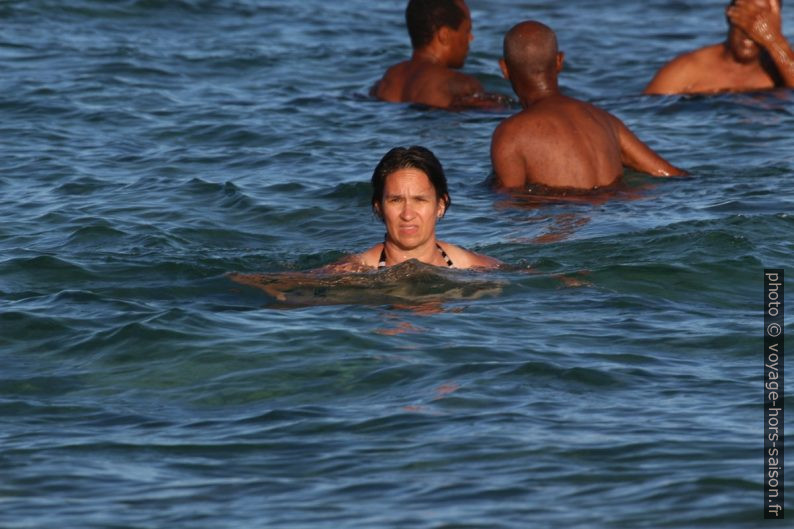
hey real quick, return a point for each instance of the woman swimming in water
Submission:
(409, 194)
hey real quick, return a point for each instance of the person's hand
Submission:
(759, 19)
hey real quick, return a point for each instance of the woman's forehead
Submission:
(415, 179)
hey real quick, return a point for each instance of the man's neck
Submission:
(728, 57)
(536, 90)
(429, 55)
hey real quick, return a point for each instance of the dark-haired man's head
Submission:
(427, 19)
(741, 46)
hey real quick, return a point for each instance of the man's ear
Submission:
(377, 210)
(560, 60)
(443, 34)
(503, 67)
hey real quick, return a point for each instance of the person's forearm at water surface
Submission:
(637, 155)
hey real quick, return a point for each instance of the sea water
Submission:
(608, 376)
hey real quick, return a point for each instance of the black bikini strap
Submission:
(382, 259)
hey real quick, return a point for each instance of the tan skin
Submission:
(430, 78)
(755, 56)
(410, 210)
(559, 142)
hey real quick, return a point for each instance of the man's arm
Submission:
(508, 163)
(486, 100)
(762, 22)
(635, 154)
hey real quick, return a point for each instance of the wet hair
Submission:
(415, 157)
(425, 17)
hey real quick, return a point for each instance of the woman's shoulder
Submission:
(463, 258)
(358, 262)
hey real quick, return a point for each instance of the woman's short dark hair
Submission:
(425, 17)
(415, 157)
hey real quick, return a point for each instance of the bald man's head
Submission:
(530, 48)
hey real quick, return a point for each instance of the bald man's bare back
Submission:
(560, 142)
(427, 83)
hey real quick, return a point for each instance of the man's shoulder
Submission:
(395, 72)
(508, 128)
(443, 76)
(687, 69)
(548, 110)
(390, 86)
(699, 58)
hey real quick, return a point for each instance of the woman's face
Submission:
(410, 208)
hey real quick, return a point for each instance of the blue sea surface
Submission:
(610, 376)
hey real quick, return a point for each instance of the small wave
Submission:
(227, 194)
(351, 193)
(97, 235)
(579, 376)
(46, 267)
(83, 186)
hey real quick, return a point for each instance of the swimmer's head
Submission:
(741, 46)
(425, 18)
(530, 51)
(409, 158)
(530, 46)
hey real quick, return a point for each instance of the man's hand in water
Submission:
(482, 100)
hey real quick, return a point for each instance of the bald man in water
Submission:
(557, 142)
(754, 56)
(440, 33)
